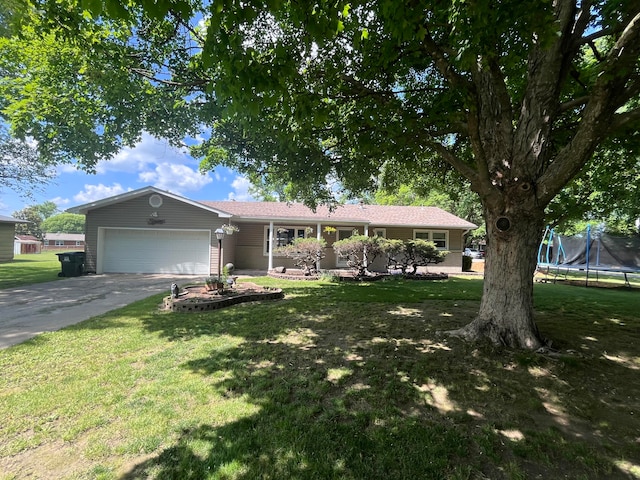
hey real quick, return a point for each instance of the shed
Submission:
(26, 244)
(7, 237)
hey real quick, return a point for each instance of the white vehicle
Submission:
(472, 252)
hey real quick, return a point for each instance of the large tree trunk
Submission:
(506, 311)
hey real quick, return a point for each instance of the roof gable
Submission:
(27, 239)
(87, 207)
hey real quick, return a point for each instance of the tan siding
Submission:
(90, 243)
(7, 233)
(398, 233)
(248, 247)
(137, 213)
(248, 257)
(228, 250)
(455, 240)
(250, 235)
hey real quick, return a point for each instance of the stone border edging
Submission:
(190, 305)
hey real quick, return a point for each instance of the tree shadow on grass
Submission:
(368, 390)
(328, 408)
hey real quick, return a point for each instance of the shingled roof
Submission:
(382, 215)
(5, 219)
(348, 215)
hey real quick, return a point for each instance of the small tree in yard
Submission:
(412, 253)
(306, 253)
(358, 251)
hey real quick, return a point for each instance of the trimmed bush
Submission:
(305, 252)
(355, 249)
(411, 254)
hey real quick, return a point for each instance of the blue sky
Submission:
(152, 162)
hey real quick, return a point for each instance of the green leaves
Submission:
(93, 6)
(64, 223)
(306, 93)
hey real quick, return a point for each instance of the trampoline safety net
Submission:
(598, 252)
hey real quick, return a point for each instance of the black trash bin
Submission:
(72, 264)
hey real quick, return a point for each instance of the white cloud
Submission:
(240, 186)
(91, 193)
(176, 178)
(60, 202)
(145, 155)
(148, 153)
(67, 168)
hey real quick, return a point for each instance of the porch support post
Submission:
(366, 234)
(318, 237)
(270, 267)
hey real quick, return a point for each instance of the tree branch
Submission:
(148, 74)
(188, 27)
(578, 42)
(622, 120)
(443, 65)
(572, 104)
(462, 167)
(361, 90)
(609, 93)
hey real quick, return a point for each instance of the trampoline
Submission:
(590, 253)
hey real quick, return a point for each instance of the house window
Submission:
(284, 236)
(78, 243)
(59, 243)
(380, 232)
(345, 232)
(439, 237)
(46, 243)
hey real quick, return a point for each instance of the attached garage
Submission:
(129, 250)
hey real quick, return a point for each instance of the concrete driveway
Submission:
(44, 307)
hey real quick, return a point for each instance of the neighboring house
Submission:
(154, 231)
(7, 236)
(63, 241)
(26, 244)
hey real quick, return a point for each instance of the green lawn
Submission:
(348, 381)
(28, 269)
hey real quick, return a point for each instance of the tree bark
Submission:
(506, 315)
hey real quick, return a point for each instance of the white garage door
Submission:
(156, 251)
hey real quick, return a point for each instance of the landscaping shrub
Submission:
(411, 254)
(356, 249)
(305, 252)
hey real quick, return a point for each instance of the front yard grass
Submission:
(28, 269)
(349, 381)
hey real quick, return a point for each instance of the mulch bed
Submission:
(198, 299)
(349, 275)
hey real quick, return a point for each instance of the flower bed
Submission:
(198, 299)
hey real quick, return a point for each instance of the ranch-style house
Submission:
(154, 231)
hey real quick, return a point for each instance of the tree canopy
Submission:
(36, 215)
(63, 223)
(337, 98)
(20, 167)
